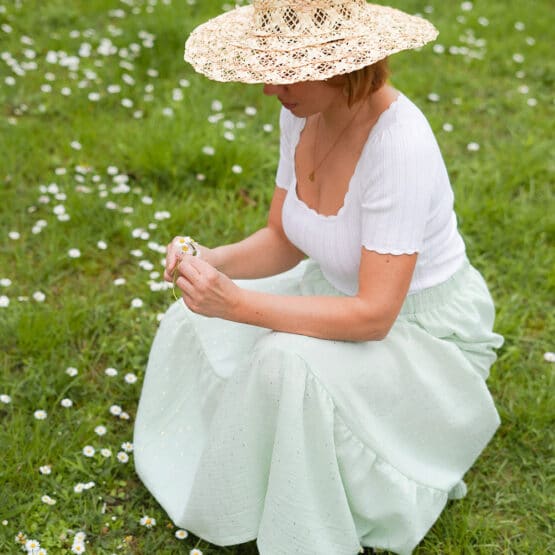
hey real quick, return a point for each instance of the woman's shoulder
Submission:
(402, 117)
(402, 132)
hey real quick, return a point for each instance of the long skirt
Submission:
(313, 446)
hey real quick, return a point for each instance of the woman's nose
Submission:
(272, 90)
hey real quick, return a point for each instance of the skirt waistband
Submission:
(440, 294)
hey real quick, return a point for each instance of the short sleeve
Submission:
(287, 143)
(398, 183)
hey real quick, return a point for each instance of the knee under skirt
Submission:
(314, 446)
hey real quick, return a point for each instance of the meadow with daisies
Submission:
(110, 145)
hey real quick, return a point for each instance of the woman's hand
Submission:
(175, 253)
(173, 256)
(207, 291)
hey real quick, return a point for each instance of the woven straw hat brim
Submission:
(225, 48)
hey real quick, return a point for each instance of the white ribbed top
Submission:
(399, 201)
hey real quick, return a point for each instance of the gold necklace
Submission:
(312, 174)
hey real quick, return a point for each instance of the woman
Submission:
(325, 404)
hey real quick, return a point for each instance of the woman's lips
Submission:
(287, 105)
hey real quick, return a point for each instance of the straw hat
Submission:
(287, 41)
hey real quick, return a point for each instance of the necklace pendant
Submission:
(311, 176)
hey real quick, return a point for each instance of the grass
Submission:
(504, 195)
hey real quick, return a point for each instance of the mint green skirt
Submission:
(313, 446)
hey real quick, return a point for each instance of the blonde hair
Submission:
(362, 83)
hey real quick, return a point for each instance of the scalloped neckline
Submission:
(351, 179)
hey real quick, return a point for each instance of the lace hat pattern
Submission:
(288, 41)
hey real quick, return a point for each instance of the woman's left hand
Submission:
(207, 291)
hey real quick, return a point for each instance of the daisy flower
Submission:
(115, 410)
(39, 296)
(72, 372)
(32, 545)
(147, 521)
(122, 457)
(127, 447)
(45, 469)
(100, 430)
(181, 534)
(40, 414)
(88, 451)
(66, 403)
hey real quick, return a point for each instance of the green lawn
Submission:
(110, 146)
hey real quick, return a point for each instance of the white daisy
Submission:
(130, 378)
(66, 403)
(32, 545)
(88, 451)
(147, 521)
(127, 446)
(74, 253)
(181, 534)
(4, 301)
(46, 469)
(115, 410)
(106, 453)
(40, 414)
(111, 372)
(122, 457)
(72, 372)
(6, 399)
(549, 357)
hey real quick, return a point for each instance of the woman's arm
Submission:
(264, 253)
(384, 281)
